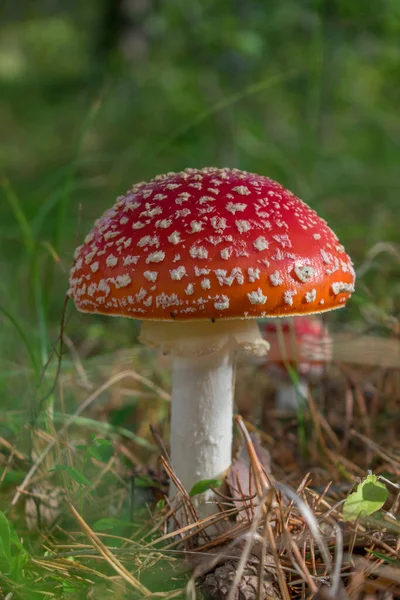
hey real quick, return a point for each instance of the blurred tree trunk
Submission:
(122, 30)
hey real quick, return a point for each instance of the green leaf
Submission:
(81, 447)
(73, 473)
(145, 481)
(111, 524)
(102, 442)
(5, 538)
(202, 486)
(13, 555)
(101, 453)
(384, 557)
(369, 497)
(160, 505)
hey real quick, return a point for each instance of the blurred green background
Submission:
(97, 95)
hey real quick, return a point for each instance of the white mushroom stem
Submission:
(290, 396)
(201, 419)
(203, 355)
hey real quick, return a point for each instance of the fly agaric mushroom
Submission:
(303, 344)
(198, 256)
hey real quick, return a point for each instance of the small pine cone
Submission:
(216, 585)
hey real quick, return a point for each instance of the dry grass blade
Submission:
(374, 446)
(251, 537)
(267, 502)
(311, 521)
(262, 480)
(82, 407)
(108, 555)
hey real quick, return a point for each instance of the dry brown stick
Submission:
(108, 555)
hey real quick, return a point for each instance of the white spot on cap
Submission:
(222, 303)
(77, 251)
(151, 275)
(155, 257)
(148, 240)
(253, 274)
(131, 206)
(205, 284)
(160, 197)
(226, 253)
(189, 289)
(165, 300)
(283, 240)
(92, 288)
(184, 196)
(198, 252)
(196, 226)
(233, 208)
(94, 267)
(199, 272)
(90, 255)
(215, 239)
(335, 267)
(288, 296)
(279, 255)
(311, 296)
(219, 223)
(122, 281)
(326, 257)
(260, 243)
(257, 297)
(304, 272)
(242, 190)
(124, 220)
(224, 279)
(148, 302)
(341, 286)
(188, 309)
(175, 237)
(104, 287)
(317, 236)
(138, 225)
(177, 274)
(141, 294)
(151, 212)
(164, 223)
(177, 257)
(111, 234)
(131, 260)
(111, 261)
(243, 226)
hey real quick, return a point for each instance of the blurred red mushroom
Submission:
(301, 344)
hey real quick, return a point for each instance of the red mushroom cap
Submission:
(303, 343)
(210, 243)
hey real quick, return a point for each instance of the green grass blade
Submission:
(23, 337)
(20, 217)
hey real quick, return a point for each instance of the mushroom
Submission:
(303, 344)
(197, 256)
